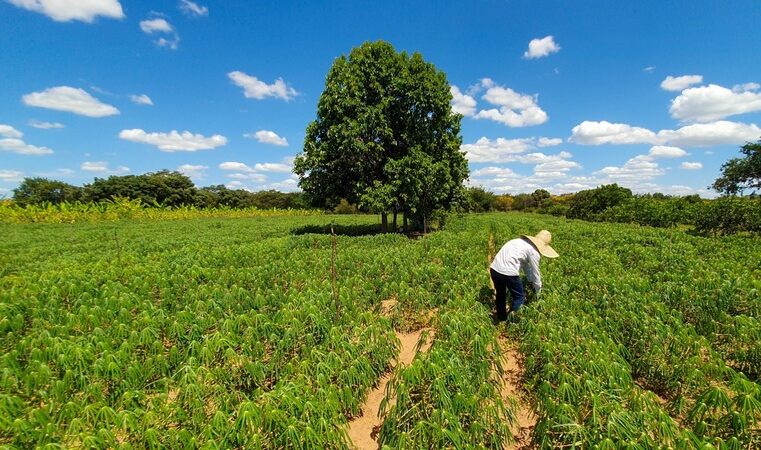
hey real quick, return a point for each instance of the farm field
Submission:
(240, 332)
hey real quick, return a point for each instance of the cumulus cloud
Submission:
(680, 83)
(10, 132)
(11, 175)
(268, 137)
(156, 25)
(174, 141)
(141, 99)
(196, 172)
(193, 9)
(67, 10)
(45, 125)
(11, 142)
(598, 133)
(69, 99)
(498, 150)
(539, 48)
(691, 165)
(664, 151)
(549, 142)
(159, 25)
(706, 134)
(236, 166)
(641, 167)
(103, 168)
(254, 88)
(462, 103)
(273, 167)
(515, 109)
(713, 102)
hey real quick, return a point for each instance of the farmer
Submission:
(521, 253)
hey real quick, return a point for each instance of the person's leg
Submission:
(501, 295)
(515, 286)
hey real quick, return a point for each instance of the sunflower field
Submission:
(267, 331)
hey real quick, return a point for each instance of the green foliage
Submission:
(383, 121)
(164, 188)
(728, 215)
(588, 204)
(478, 199)
(741, 174)
(344, 207)
(36, 191)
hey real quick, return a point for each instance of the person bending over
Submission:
(522, 253)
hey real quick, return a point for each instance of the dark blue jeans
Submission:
(502, 284)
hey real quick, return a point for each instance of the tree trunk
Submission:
(405, 222)
(384, 221)
(394, 221)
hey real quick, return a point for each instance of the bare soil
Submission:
(512, 389)
(363, 430)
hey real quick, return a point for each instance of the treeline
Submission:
(613, 203)
(164, 188)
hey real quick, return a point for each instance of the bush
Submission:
(728, 215)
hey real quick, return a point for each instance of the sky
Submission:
(559, 95)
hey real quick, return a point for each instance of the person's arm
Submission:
(532, 270)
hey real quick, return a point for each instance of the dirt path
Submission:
(512, 363)
(364, 429)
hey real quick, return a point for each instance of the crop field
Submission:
(271, 333)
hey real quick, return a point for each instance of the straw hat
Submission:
(542, 243)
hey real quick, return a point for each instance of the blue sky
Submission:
(559, 95)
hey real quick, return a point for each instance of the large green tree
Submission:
(164, 187)
(34, 191)
(741, 174)
(384, 122)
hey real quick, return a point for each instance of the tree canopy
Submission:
(385, 136)
(741, 174)
(33, 191)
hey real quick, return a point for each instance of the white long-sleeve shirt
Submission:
(519, 254)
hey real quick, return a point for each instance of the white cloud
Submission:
(268, 137)
(66, 10)
(45, 125)
(549, 142)
(539, 48)
(254, 88)
(156, 25)
(250, 176)
(706, 134)
(462, 103)
(193, 9)
(171, 43)
(193, 171)
(14, 145)
(10, 132)
(663, 151)
(141, 99)
(174, 141)
(746, 87)
(65, 98)
(713, 102)
(649, 69)
(640, 167)
(236, 166)
(273, 167)
(102, 167)
(679, 83)
(597, 133)
(502, 172)
(498, 150)
(515, 109)
(11, 175)
(691, 165)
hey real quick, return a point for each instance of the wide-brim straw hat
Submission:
(542, 243)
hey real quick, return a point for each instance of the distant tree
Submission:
(164, 187)
(503, 202)
(541, 197)
(588, 204)
(479, 199)
(741, 174)
(33, 191)
(383, 119)
(523, 201)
